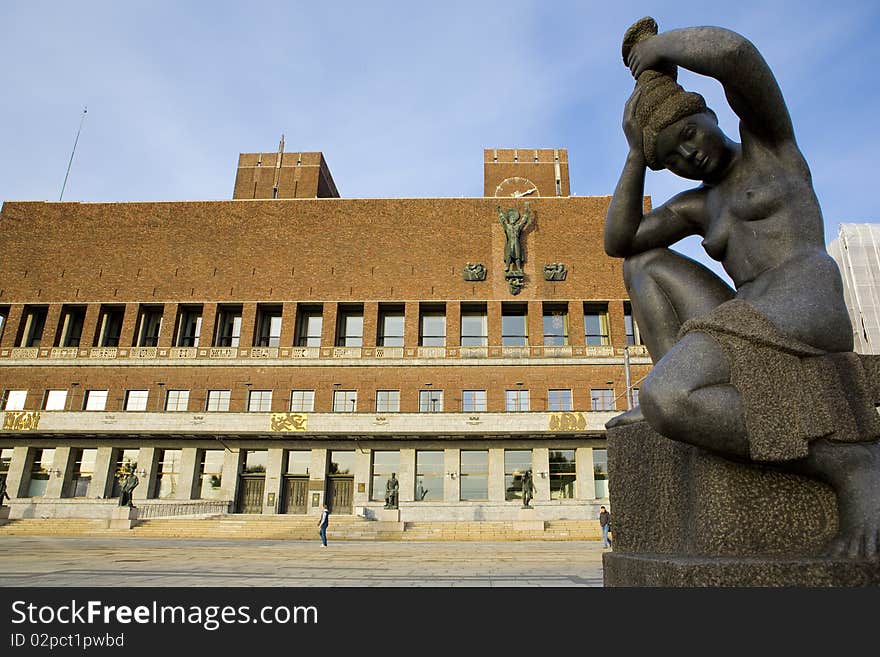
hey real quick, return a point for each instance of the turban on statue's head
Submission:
(662, 101)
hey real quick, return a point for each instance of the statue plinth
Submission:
(388, 515)
(684, 517)
(123, 517)
(527, 520)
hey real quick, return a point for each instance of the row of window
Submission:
(303, 401)
(473, 471)
(309, 325)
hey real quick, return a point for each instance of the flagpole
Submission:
(85, 109)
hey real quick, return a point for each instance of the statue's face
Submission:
(693, 147)
(512, 216)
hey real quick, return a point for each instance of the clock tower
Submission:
(525, 172)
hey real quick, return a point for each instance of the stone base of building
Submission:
(388, 515)
(682, 571)
(684, 517)
(123, 517)
(4, 515)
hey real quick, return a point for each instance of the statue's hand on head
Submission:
(631, 128)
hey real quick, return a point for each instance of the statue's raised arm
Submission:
(730, 58)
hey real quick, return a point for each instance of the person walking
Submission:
(605, 523)
(322, 525)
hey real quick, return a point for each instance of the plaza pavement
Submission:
(140, 562)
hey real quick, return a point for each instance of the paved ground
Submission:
(55, 561)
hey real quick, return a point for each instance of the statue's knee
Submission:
(640, 264)
(664, 406)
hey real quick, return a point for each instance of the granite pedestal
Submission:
(683, 517)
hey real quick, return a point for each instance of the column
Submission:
(169, 321)
(248, 323)
(209, 325)
(407, 475)
(11, 326)
(493, 312)
(371, 323)
(90, 327)
(451, 486)
(411, 325)
(453, 324)
(496, 475)
(19, 469)
(616, 325)
(585, 488)
(50, 328)
(536, 323)
(541, 463)
(288, 323)
(146, 462)
(186, 478)
(103, 478)
(328, 330)
(576, 323)
(229, 478)
(60, 472)
(317, 476)
(274, 471)
(362, 478)
(127, 334)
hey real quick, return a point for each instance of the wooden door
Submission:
(250, 495)
(296, 494)
(340, 494)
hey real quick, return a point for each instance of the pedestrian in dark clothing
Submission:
(605, 523)
(322, 524)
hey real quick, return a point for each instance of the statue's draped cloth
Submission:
(792, 393)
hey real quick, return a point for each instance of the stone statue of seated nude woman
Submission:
(762, 373)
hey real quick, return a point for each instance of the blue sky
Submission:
(401, 97)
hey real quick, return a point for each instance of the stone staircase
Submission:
(281, 527)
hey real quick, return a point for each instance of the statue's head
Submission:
(512, 215)
(693, 147)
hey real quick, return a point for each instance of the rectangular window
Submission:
(41, 469)
(432, 326)
(596, 324)
(430, 401)
(309, 323)
(299, 462)
(228, 326)
(71, 327)
(56, 400)
(82, 473)
(4, 313)
(177, 400)
(602, 399)
(167, 473)
(600, 472)
(632, 329)
(391, 323)
(555, 325)
(136, 400)
(302, 401)
(109, 326)
(211, 474)
(514, 325)
(429, 476)
(5, 462)
(350, 327)
(149, 326)
(32, 325)
(253, 461)
(218, 400)
(474, 326)
(559, 400)
(474, 475)
(635, 396)
(563, 474)
(341, 462)
(385, 464)
(388, 401)
(259, 401)
(473, 401)
(516, 463)
(95, 400)
(13, 400)
(268, 329)
(189, 326)
(344, 401)
(516, 400)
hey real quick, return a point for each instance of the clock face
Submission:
(516, 187)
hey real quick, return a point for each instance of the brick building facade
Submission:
(289, 348)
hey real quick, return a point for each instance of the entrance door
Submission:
(340, 493)
(296, 494)
(250, 495)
